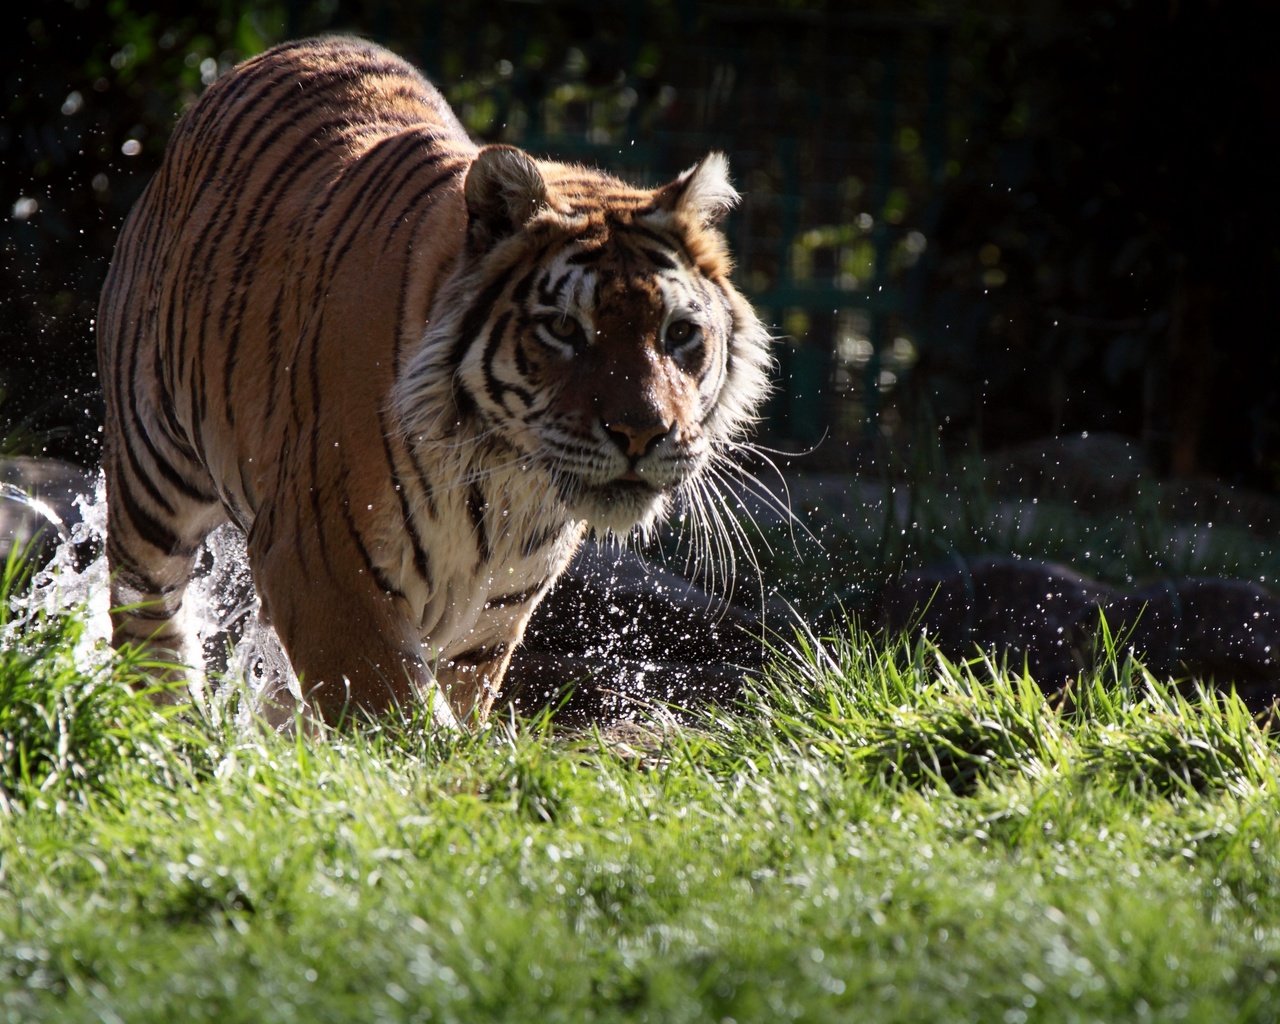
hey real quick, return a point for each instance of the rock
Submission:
(1020, 608)
(623, 637)
(1220, 630)
(1217, 630)
(1097, 468)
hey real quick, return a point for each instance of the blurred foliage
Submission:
(92, 91)
(1113, 209)
(1026, 218)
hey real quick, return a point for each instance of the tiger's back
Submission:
(320, 323)
(278, 176)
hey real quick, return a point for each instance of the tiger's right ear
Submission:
(504, 189)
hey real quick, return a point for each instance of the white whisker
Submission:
(758, 488)
(719, 474)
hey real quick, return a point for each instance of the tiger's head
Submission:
(594, 332)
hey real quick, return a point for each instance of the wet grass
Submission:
(877, 834)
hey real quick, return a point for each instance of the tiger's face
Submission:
(606, 346)
(606, 375)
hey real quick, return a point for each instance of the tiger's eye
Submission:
(563, 327)
(681, 332)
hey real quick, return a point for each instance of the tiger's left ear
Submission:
(702, 193)
(503, 191)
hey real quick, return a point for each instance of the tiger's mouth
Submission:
(625, 489)
(617, 504)
(621, 491)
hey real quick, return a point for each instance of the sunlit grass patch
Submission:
(903, 713)
(907, 714)
(67, 731)
(1149, 735)
(878, 833)
(1175, 745)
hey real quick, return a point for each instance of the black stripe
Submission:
(659, 259)
(539, 539)
(402, 299)
(355, 196)
(491, 382)
(204, 143)
(124, 569)
(670, 243)
(551, 296)
(198, 394)
(524, 286)
(130, 439)
(520, 597)
(475, 509)
(525, 395)
(474, 319)
(283, 112)
(416, 146)
(317, 405)
(283, 90)
(291, 361)
(370, 64)
(318, 519)
(187, 488)
(375, 572)
(172, 428)
(523, 366)
(477, 656)
(147, 528)
(238, 514)
(219, 111)
(463, 402)
(136, 442)
(328, 264)
(249, 243)
(232, 151)
(150, 611)
(274, 333)
(420, 560)
(575, 446)
(356, 223)
(427, 189)
(424, 482)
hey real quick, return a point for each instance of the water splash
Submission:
(12, 492)
(73, 581)
(235, 653)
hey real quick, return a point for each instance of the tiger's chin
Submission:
(617, 506)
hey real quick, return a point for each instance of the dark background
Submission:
(989, 226)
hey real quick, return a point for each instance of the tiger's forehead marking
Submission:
(603, 268)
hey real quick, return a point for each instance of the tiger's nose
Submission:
(637, 441)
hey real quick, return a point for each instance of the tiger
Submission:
(414, 370)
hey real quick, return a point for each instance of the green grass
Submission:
(877, 835)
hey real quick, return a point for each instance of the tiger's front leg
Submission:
(471, 680)
(473, 666)
(353, 645)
